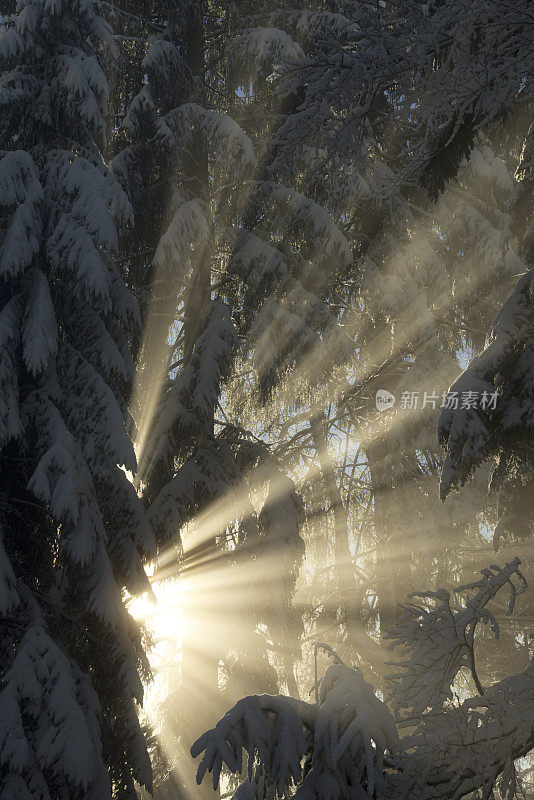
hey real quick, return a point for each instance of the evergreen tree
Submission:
(500, 432)
(73, 531)
(232, 259)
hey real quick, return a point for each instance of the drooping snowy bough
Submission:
(324, 749)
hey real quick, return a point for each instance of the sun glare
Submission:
(163, 617)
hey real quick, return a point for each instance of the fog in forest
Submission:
(266, 400)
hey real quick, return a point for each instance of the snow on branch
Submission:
(43, 685)
(39, 329)
(308, 222)
(437, 636)
(472, 434)
(230, 148)
(258, 50)
(211, 358)
(253, 725)
(91, 208)
(164, 64)
(469, 747)
(322, 749)
(208, 474)
(21, 195)
(188, 226)
(266, 269)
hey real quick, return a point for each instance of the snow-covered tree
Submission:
(502, 433)
(74, 533)
(416, 85)
(231, 270)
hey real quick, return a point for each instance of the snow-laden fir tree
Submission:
(429, 283)
(500, 431)
(73, 531)
(225, 263)
(237, 266)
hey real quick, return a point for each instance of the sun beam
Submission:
(163, 617)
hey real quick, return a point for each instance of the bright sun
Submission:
(164, 617)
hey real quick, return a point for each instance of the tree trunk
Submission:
(348, 589)
(392, 562)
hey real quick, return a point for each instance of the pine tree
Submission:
(500, 432)
(225, 290)
(74, 533)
